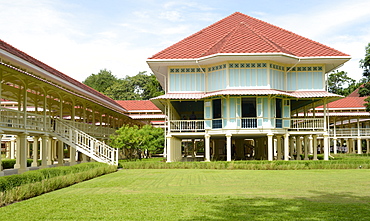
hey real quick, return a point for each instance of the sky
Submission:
(82, 37)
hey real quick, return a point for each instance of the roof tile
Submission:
(239, 33)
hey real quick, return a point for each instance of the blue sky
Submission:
(80, 37)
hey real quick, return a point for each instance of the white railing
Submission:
(85, 143)
(187, 125)
(307, 123)
(20, 120)
(349, 132)
(250, 122)
(65, 131)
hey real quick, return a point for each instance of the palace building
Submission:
(248, 89)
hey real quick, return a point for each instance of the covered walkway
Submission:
(45, 114)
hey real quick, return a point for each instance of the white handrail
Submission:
(85, 143)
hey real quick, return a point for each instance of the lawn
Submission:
(196, 194)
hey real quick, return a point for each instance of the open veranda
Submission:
(206, 194)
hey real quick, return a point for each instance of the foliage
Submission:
(340, 83)
(365, 63)
(36, 182)
(9, 163)
(346, 163)
(101, 81)
(139, 87)
(135, 141)
(9, 182)
(365, 89)
(205, 195)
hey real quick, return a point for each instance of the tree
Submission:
(100, 81)
(365, 63)
(365, 89)
(340, 83)
(139, 87)
(133, 141)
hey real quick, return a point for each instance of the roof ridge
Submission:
(222, 42)
(295, 34)
(195, 34)
(266, 39)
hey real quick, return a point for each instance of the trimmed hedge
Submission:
(252, 165)
(9, 163)
(9, 182)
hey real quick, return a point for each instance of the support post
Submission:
(22, 153)
(286, 147)
(270, 148)
(1, 166)
(207, 148)
(44, 150)
(169, 146)
(335, 145)
(60, 153)
(314, 146)
(228, 147)
(326, 146)
(306, 143)
(35, 151)
(359, 145)
(278, 138)
(72, 156)
(298, 141)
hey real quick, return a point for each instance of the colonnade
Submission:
(270, 147)
(42, 148)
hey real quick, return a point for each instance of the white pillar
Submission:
(12, 147)
(51, 148)
(1, 166)
(335, 145)
(367, 146)
(359, 146)
(72, 156)
(44, 151)
(298, 141)
(169, 150)
(270, 147)
(22, 153)
(35, 151)
(278, 138)
(306, 143)
(314, 146)
(326, 147)
(353, 146)
(207, 149)
(17, 148)
(286, 147)
(291, 140)
(60, 153)
(228, 147)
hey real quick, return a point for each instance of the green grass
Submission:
(198, 194)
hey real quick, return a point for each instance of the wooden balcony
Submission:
(307, 123)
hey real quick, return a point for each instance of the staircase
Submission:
(84, 143)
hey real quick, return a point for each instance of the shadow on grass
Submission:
(323, 206)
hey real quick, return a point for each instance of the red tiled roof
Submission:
(351, 101)
(348, 102)
(12, 50)
(131, 105)
(239, 33)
